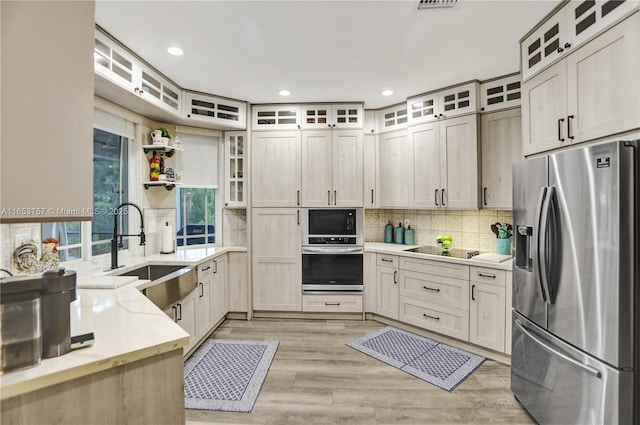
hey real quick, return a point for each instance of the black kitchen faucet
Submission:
(115, 243)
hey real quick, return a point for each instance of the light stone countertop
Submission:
(398, 249)
(126, 325)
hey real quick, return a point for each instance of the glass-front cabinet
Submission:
(235, 175)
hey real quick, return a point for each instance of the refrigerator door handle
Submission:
(543, 237)
(535, 249)
(588, 369)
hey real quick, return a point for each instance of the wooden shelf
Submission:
(167, 185)
(168, 150)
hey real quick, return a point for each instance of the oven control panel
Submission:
(331, 240)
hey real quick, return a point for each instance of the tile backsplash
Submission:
(470, 230)
(234, 227)
(157, 216)
(12, 236)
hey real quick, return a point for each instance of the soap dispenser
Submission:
(409, 236)
(399, 237)
(388, 232)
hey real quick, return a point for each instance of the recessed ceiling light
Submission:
(284, 93)
(175, 51)
(387, 92)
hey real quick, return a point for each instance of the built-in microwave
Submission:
(335, 226)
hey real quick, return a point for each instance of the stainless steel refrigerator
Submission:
(576, 300)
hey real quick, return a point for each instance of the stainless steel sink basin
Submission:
(169, 282)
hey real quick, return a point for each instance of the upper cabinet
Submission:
(391, 118)
(202, 108)
(447, 103)
(570, 26)
(332, 116)
(235, 162)
(500, 93)
(276, 117)
(160, 92)
(115, 63)
(590, 94)
(393, 149)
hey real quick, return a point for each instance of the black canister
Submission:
(58, 291)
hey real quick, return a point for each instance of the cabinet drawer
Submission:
(205, 270)
(332, 303)
(387, 260)
(448, 321)
(456, 271)
(435, 289)
(487, 275)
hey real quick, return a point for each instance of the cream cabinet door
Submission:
(369, 280)
(316, 168)
(459, 151)
(203, 302)
(604, 84)
(219, 290)
(276, 259)
(238, 282)
(387, 297)
(501, 146)
(544, 110)
(486, 316)
(393, 160)
(276, 169)
(346, 168)
(424, 141)
(185, 316)
(370, 170)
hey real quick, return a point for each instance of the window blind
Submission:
(197, 163)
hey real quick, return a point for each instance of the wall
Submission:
(470, 230)
(155, 218)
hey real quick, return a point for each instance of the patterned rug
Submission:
(227, 375)
(431, 361)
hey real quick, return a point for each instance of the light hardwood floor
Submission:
(316, 379)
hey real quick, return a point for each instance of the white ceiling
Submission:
(323, 51)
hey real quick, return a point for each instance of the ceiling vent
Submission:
(434, 4)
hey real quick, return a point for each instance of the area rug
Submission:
(431, 361)
(227, 375)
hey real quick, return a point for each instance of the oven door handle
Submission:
(308, 250)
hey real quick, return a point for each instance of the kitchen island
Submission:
(134, 370)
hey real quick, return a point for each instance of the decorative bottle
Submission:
(388, 232)
(399, 234)
(154, 167)
(409, 236)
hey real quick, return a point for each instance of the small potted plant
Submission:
(166, 136)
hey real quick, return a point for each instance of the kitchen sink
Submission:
(169, 282)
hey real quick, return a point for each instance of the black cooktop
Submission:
(452, 252)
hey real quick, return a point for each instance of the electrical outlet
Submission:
(152, 226)
(406, 223)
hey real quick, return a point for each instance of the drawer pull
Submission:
(206, 268)
(492, 276)
(395, 277)
(473, 292)
(431, 289)
(431, 317)
(386, 260)
(328, 304)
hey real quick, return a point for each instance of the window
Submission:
(110, 182)
(196, 216)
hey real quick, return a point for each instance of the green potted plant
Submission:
(166, 136)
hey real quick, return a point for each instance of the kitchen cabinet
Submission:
(370, 170)
(204, 314)
(157, 90)
(201, 108)
(592, 93)
(332, 303)
(387, 285)
(446, 103)
(47, 114)
(332, 168)
(276, 172)
(235, 144)
(184, 313)
(276, 117)
(115, 64)
(238, 282)
(219, 290)
(501, 141)
(444, 172)
(569, 27)
(486, 309)
(276, 259)
(507, 316)
(500, 93)
(331, 116)
(369, 280)
(392, 118)
(393, 160)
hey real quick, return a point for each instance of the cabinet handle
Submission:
(442, 198)
(298, 217)
(386, 260)
(492, 276)
(569, 121)
(179, 312)
(335, 197)
(175, 313)
(201, 290)
(328, 197)
(395, 277)
(567, 45)
(431, 289)
(560, 50)
(206, 268)
(436, 198)
(215, 266)
(560, 121)
(431, 317)
(371, 196)
(298, 197)
(473, 292)
(484, 196)
(328, 304)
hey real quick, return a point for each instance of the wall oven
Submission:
(332, 250)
